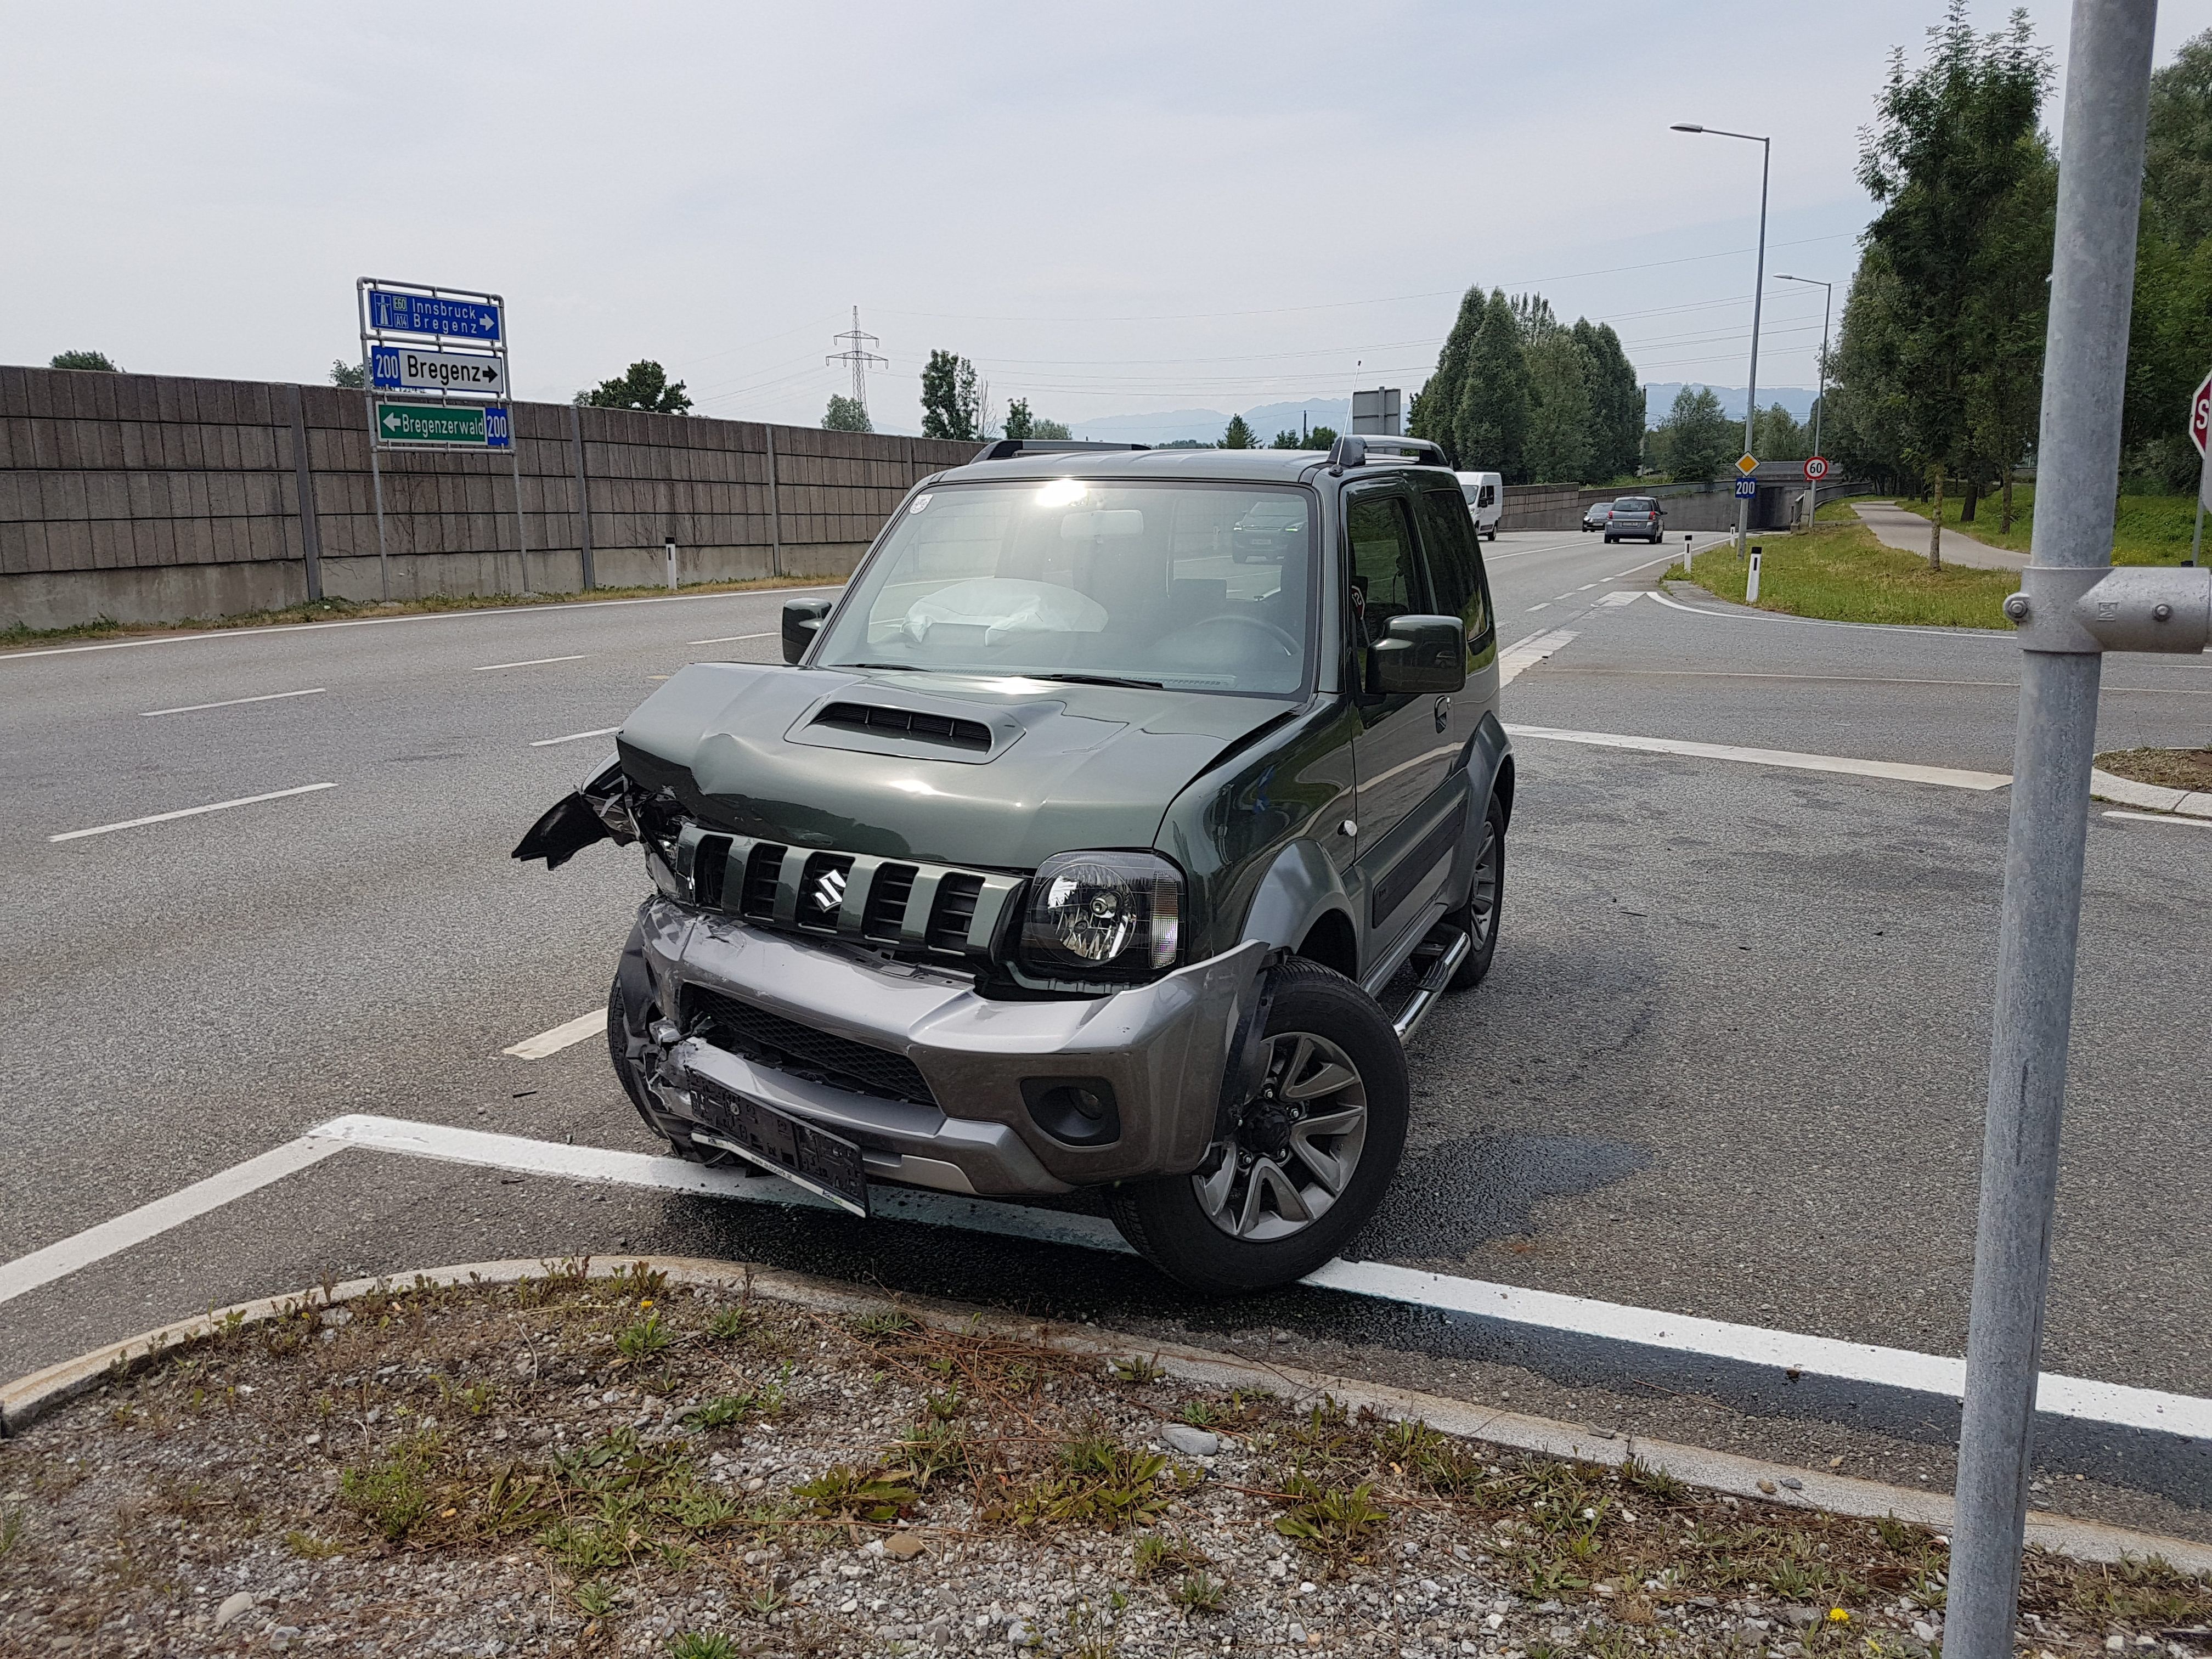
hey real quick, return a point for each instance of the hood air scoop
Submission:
(920, 724)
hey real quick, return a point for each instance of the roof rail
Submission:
(1005, 449)
(1350, 450)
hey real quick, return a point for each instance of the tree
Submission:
(1490, 426)
(1288, 441)
(1323, 437)
(1951, 143)
(1616, 400)
(2170, 334)
(1239, 434)
(846, 415)
(348, 377)
(1042, 427)
(1776, 435)
(1435, 409)
(1696, 440)
(950, 406)
(99, 361)
(1559, 446)
(645, 386)
(2178, 146)
(1018, 418)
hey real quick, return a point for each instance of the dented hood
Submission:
(999, 773)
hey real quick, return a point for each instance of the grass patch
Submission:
(1845, 575)
(2169, 768)
(1095, 1482)
(2146, 529)
(323, 610)
(392, 1492)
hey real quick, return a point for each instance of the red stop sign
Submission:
(2200, 415)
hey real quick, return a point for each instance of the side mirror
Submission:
(802, 620)
(1417, 655)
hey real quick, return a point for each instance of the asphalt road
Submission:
(1730, 1061)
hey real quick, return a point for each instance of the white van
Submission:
(1486, 500)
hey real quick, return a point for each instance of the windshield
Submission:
(1196, 586)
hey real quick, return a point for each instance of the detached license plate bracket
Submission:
(825, 1164)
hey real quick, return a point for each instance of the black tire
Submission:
(1169, 1223)
(1485, 900)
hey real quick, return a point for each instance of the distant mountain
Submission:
(1206, 424)
(1659, 398)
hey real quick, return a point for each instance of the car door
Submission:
(1461, 589)
(1404, 748)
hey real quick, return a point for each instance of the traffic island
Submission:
(1840, 571)
(692, 1459)
(2161, 779)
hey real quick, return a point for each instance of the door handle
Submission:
(1443, 712)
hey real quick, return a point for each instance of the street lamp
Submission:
(1821, 399)
(1751, 392)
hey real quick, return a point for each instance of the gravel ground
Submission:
(609, 1466)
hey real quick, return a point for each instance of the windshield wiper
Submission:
(1098, 679)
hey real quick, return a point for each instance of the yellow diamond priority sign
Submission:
(1746, 464)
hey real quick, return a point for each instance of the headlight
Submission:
(1103, 917)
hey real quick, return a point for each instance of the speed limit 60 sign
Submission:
(1816, 469)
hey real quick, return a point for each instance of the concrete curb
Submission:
(2151, 797)
(25, 1400)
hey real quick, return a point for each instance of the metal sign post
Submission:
(408, 336)
(2071, 607)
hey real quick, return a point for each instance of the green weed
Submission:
(392, 1494)
(1329, 1520)
(845, 1493)
(1201, 1594)
(645, 1339)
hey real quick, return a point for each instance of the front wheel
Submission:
(1310, 1156)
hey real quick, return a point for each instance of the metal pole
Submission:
(2085, 358)
(376, 487)
(1751, 392)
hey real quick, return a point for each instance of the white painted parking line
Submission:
(725, 639)
(1789, 1352)
(188, 812)
(233, 702)
(1527, 653)
(575, 737)
(528, 662)
(1952, 777)
(428, 616)
(2164, 817)
(564, 1035)
(28, 1272)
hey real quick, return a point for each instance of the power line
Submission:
(857, 355)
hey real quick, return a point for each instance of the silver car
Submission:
(1640, 517)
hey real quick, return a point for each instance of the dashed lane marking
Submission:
(233, 702)
(528, 662)
(565, 1035)
(188, 812)
(1529, 653)
(1951, 777)
(575, 737)
(1789, 1352)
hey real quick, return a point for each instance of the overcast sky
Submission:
(1111, 209)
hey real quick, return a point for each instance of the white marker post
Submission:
(669, 547)
(1751, 582)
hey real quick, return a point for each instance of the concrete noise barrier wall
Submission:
(148, 498)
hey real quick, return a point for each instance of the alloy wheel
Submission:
(1297, 1144)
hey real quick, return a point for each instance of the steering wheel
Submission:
(1290, 647)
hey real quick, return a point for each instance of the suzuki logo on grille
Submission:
(830, 890)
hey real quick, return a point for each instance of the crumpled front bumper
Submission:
(1161, 1048)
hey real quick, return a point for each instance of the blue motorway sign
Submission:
(1746, 490)
(450, 317)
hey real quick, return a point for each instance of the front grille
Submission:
(789, 1046)
(855, 896)
(956, 911)
(906, 723)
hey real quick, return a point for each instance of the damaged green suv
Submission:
(1073, 845)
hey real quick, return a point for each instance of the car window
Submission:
(1386, 572)
(1634, 504)
(1454, 562)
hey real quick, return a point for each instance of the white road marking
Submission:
(574, 737)
(1950, 777)
(1627, 596)
(1585, 588)
(1787, 1351)
(2163, 817)
(427, 617)
(725, 639)
(528, 662)
(1984, 634)
(28, 1273)
(1529, 653)
(564, 1035)
(188, 812)
(233, 702)
(1666, 558)
(1546, 605)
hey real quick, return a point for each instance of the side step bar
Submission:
(1433, 986)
